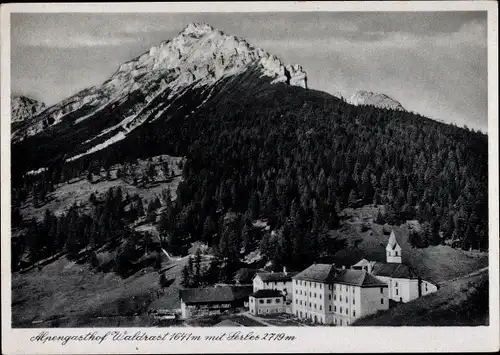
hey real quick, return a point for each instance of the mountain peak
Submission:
(197, 29)
(199, 56)
(363, 97)
(23, 107)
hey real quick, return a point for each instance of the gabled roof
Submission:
(317, 273)
(327, 273)
(364, 262)
(276, 276)
(215, 294)
(392, 243)
(359, 278)
(244, 275)
(267, 294)
(394, 270)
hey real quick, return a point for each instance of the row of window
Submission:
(346, 310)
(330, 287)
(311, 284)
(297, 292)
(269, 300)
(310, 304)
(345, 298)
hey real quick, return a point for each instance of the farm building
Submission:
(212, 300)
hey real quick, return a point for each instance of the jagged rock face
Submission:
(200, 55)
(375, 99)
(23, 108)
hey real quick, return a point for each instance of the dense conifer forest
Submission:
(256, 151)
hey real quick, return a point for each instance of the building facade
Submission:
(326, 295)
(265, 302)
(281, 281)
(206, 301)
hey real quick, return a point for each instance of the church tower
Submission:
(393, 250)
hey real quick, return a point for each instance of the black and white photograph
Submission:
(303, 170)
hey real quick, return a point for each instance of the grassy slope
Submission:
(461, 302)
(434, 263)
(79, 190)
(88, 298)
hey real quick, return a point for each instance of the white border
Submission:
(338, 339)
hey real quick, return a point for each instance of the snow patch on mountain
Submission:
(23, 108)
(374, 99)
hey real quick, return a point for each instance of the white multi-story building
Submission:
(403, 283)
(281, 281)
(327, 295)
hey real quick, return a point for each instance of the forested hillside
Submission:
(291, 156)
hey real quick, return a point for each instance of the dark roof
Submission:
(244, 275)
(317, 273)
(267, 294)
(358, 278)
(276, 276)
(394, 270)
(215, 294)
(327, 273)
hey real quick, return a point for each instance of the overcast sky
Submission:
(433, 63)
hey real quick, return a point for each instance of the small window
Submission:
(353, 313)
(320, 296)
(277, 300)
(396, 284)
(315, 306)
(320, 286)
(320, 307)
(381, 290)
(284, 290)
(335, 308)
(347, 300)
(296, 301)
(329, 297)
(345, 288)
(301, 302)
(260, 310)
(346, 311)
(353, 301)
(340, 298)
(275, 283)
(314, 294)
(396, 253)
(267, 310)
(309, 304)
(340, 309)
(381, 301)
(310, 294)
(334, 297)
(400, 299)
(341, 322)
(301, 292)
(251, 300)
(353, 290)
(261, 301)
(330, 308)
(268, 301)
(397, 291)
